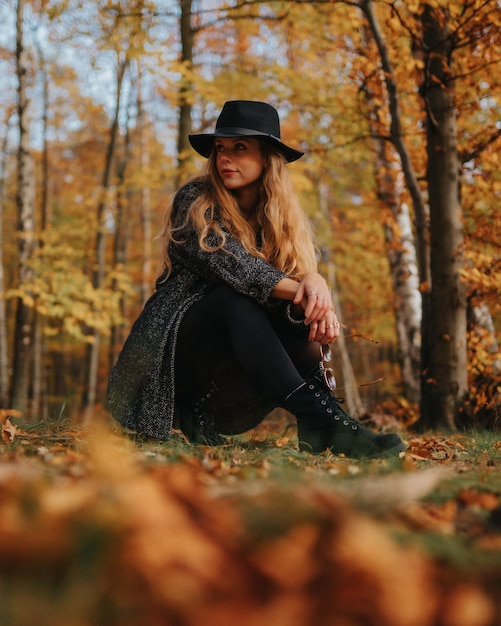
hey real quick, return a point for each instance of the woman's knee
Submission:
(233, 305)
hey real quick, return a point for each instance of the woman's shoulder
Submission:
(188, 193)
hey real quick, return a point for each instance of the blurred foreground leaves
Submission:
(98, 529)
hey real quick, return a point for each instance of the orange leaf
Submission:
(8, 431)
(484, 500)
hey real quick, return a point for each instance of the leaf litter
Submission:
(98, 527)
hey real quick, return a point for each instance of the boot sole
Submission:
(383, 454)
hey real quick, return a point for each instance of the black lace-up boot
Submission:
(197, 420)
(322, 424)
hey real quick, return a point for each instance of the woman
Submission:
(240, 318)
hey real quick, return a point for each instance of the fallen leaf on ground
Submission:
(8, 431)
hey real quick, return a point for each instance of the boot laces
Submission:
(328, 398)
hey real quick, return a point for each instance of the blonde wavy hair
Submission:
(286, 236)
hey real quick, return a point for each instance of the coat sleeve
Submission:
(233, 265)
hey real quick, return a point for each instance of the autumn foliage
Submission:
(96, 528)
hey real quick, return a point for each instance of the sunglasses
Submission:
(328, 374)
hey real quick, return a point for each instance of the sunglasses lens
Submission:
(330, 379)
(326, 353)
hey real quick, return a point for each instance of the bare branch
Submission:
(479, 148)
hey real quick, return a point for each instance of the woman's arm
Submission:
(311, 296)
(255, 277)
(286, 289)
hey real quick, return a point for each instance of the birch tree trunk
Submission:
(411, 181)
(405, 279)
(400, 248)
(25, 201)
(445, 383)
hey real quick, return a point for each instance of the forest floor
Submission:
(98, 527)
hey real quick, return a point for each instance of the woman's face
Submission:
(239, 161)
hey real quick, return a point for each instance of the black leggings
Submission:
(229, 336)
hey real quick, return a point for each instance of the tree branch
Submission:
(473, 154)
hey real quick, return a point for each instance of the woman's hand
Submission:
(314, 296)
(325, 331)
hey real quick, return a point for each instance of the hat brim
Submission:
(203, 143)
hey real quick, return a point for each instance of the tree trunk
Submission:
(122, 232)
(186, 90)
(480, 323)
(400, 247)
(25, 200)
(146, 274)
(445, 379)
(39, 404)
(351, 390)
(403, 265)
(418, 204)
(4, 351)
(100, 246)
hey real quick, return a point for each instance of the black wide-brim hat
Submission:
(246, 118)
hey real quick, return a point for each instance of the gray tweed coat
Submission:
(141, 389)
